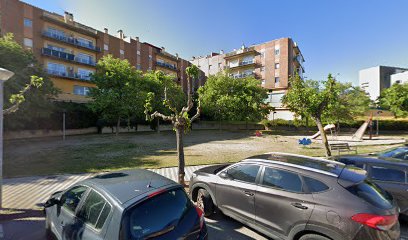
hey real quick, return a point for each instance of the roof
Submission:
(374, 159)
(319, 165)
(126, 185)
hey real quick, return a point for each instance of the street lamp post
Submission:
(273, 118)
(4, 76)
(378, 128)
(63, 124)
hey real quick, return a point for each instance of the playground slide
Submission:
(327, 127)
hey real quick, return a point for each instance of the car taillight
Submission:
(156, 193)
(200, 216)
(376, 221)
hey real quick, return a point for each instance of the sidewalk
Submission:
(31, 192)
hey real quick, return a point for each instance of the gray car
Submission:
(135, 204)
(286, 196)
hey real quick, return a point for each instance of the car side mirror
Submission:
(52, 201)
(224, 175)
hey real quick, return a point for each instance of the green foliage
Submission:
(120, 90)
(30, 87)
(351, 102)
(395, 99)
(226, 98)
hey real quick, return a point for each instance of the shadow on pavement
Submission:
(19, 224)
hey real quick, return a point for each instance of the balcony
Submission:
(241, 52)
(166, 65)
(167, 55)
(69, 75)
(244, 75)
(66, 56)
(244, 64)
(71, 41)
(59, 20)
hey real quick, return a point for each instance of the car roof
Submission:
(318, 165)
(127, 185)
(373, 159)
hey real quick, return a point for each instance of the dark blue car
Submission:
(135, 204)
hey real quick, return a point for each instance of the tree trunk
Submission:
(180, 153)
(323, 135)
(158, 125)
(117, 126)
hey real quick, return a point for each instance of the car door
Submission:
(65, 220)
(235, 194)
(93, 215)
(280, 202)
(394, 180)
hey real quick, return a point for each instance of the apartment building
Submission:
(273, 63)
(375, 79)
(69, 50)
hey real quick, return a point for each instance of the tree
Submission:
(309, 98)
(29, 90)
(351, 103)
(238, 99)
(119, 92)
(395, 99)
(179, 117)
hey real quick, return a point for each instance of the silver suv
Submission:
(288, 196)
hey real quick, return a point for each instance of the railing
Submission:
(66, 56)
(166, 65)
(164, 53)
(239, 51)
(60, 19)
(70, 40)
(68, 74)
(243, 75)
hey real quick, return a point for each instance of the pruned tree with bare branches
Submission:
(180, 119)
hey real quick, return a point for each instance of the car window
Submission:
(163, 211)
(393, 153)
(387, 174)
(315, 185)
(282, 179)
(244, 172)
(95, 210)
(372, 193)
(71, 198)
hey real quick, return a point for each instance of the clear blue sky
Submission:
(334, 36)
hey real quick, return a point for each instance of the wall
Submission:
(47, 133)
(402, 77)
(369, 81)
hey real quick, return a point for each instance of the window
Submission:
(122, 52)
(398, 81)
(263, 82)
(71, 198)
(245, 173)
(84, 74)
(277, 65)
(81, 90)
(28, 42)
(171, 209)
(263, 54)
(314, 185)
(138, 66)
(61, 49)
(56, 69)
(262, 69)
(150, 57)
(387, 174)
(28, 22)
(372, 194)
(56, 33)
(282, 180)
(219, 66)
(138, 52)
(95, 210)
(277, 80)
(84, 42)
(84, 58)
(209, 67)
(106, 47)
(277, 50)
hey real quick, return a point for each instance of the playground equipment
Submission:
(360, 132)
(305, 141)
(327, 127)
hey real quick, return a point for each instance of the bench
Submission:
(342, 147)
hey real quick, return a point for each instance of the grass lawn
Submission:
(94, 153)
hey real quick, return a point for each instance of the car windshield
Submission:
(158, 215)
(393, 152)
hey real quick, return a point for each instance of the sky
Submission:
(335, 36)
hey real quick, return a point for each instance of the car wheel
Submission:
(313, 237)
(204, 202)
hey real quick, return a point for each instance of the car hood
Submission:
(214, 169)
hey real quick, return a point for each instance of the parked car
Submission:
(397, 153)
(390, 174)
(288, 196)
(135, 204)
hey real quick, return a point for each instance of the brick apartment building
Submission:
(69, 50)
(273, 63)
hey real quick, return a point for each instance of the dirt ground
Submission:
(94, 153)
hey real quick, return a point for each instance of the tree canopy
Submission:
(29, 90)
(395, 99)
(239, 99)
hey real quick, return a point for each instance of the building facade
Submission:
(375, 79)
(70, 50)
(399, 78)
(273, 63)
